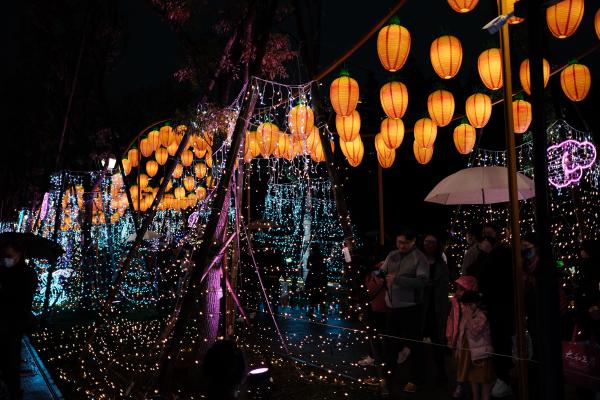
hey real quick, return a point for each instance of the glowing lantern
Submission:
(392, 132)
(126, 166)
(464, 138)
(521, 115)
(199, 153)
(154, 139)
(189, 183)
(200, 193)
(478, 108)
(524, 74)
(178, 171)
(179, 193)
(161, 155)
(172, 149)
(133, 155)
(462, 6)
(268, 135)
(167, 135)
(186, 158)
(511, 8)
(169, 184)
(489, 65)
(200, 170)
(348, 127)
(564, 17)
(208, 137)
(597, 23)
(145, 148)
(446, 56)
(425, 132)
(318, 155)
(151, 167)
(393, 45)
(313, 140)
(422, 154)
(575, 81)
(143, 181)
(134, 192)
(353, 151)
(192, 200)
(301, 120)
(386, 157)
(178, 138)
(343, 94)
(441, 107)
(394, 99)
(298, 146)
(251, 146)
(284, 145)
(201, 144)
(208, 159)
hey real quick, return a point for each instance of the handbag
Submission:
(581, 363)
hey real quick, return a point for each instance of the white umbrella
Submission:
(479, 185)
(149, 235)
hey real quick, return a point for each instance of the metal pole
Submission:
(511, 160)
(380, 192)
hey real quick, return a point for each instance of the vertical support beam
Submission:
(548, 350)
(381, 211)
(511, 160)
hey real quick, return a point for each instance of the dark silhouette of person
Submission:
(224, 368)
(18, 282)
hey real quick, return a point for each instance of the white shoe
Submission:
(403, 355)
(501, 389)
(366, 362)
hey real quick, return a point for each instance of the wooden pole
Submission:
(511, 160)
(381, 214)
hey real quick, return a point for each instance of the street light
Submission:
(111, 163)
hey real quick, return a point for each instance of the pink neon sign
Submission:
(568, 160)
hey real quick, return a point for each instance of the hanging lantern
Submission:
(392, 132)
(386, 157)
(393, 45)
(178, 171)
(318, 155)
(179, 193)
(268, 134)
(353, 151)
(446, 56)
(343, 94)
(489, 65)
(348, 127)
(462, 6)
(575, 81)
(597, 23)
(167, 135)
(186, 158)
(510, 7)
(208, 158)
(200, 170)
(380, 146)
(284, 145)
(126, 166)
(478, 108)
(169, 185)
(564, 17)
(189, 183)
(145, 148)
(199, 153)
(133, 155)
(301, 120)
(425, 132)
(521, 115)
(394, 99)
(161, 155)
(154, 139)
(178, 138)
(464, 138)
(172, 149)
(441, 107)
(151, 167)
(251, 146)
(143, 181)
(134, 192)
(200, 193)
(524, 74)
(313, 140)
(298, 146)
(422, 154)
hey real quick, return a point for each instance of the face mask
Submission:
(9, 262)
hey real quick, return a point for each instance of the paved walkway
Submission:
(36, 382)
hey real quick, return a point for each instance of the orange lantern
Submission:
(167, 135)
(348, 127)
(126, 166)
(393, 45)
(425, 132)
(179, 193)
(313, 140)
(318, 155)
(200, 193)
(380, 146)
(575, 81)
(394, 99)
(524, 74)
(301, 120)
(386, 158)
(564, 17)
(145, 148)
(268, 135)
(446, 56)
(172, 149)
(151, 167)
(521, 115)
(597, 23)
(189, 183)
(284, 145)
(462, 6)
(154, 139)
(200, 170)
(186, 158)
(392, 132)
(353, 151)
(478, 108)
(178, 171)
(343, 94)
(422, 154)
(133, 155)
(143, 181)
(251, 146)
(134, 192)
(464, 138)
(161, 155)
(441, 107)
(510, 5)
(489, 65)
(208, 158)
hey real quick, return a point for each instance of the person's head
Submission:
(473, 234)
(224, 367)
(11, 253)
(464, 284)
(431, 245)
(405, 241)
(315, 248)
(490, 229)
(487, 244)
(528, 247)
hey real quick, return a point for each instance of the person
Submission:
(490, 229)
(224, 368)
(469, 334)
(473, 238)
(406, 272)
(316, 282)
(435, 302)
(478, 264)
(18, 282)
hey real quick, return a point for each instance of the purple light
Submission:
(44, 210)
(567, 160)
(258, 371)
(193, 219)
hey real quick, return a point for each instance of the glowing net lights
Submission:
(568, 160)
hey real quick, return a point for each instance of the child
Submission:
(468, 332)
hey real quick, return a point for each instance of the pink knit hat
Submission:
(468, 282)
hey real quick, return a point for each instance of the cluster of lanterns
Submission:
(185, 190)
(343, 94)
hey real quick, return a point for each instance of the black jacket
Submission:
(17, 288)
